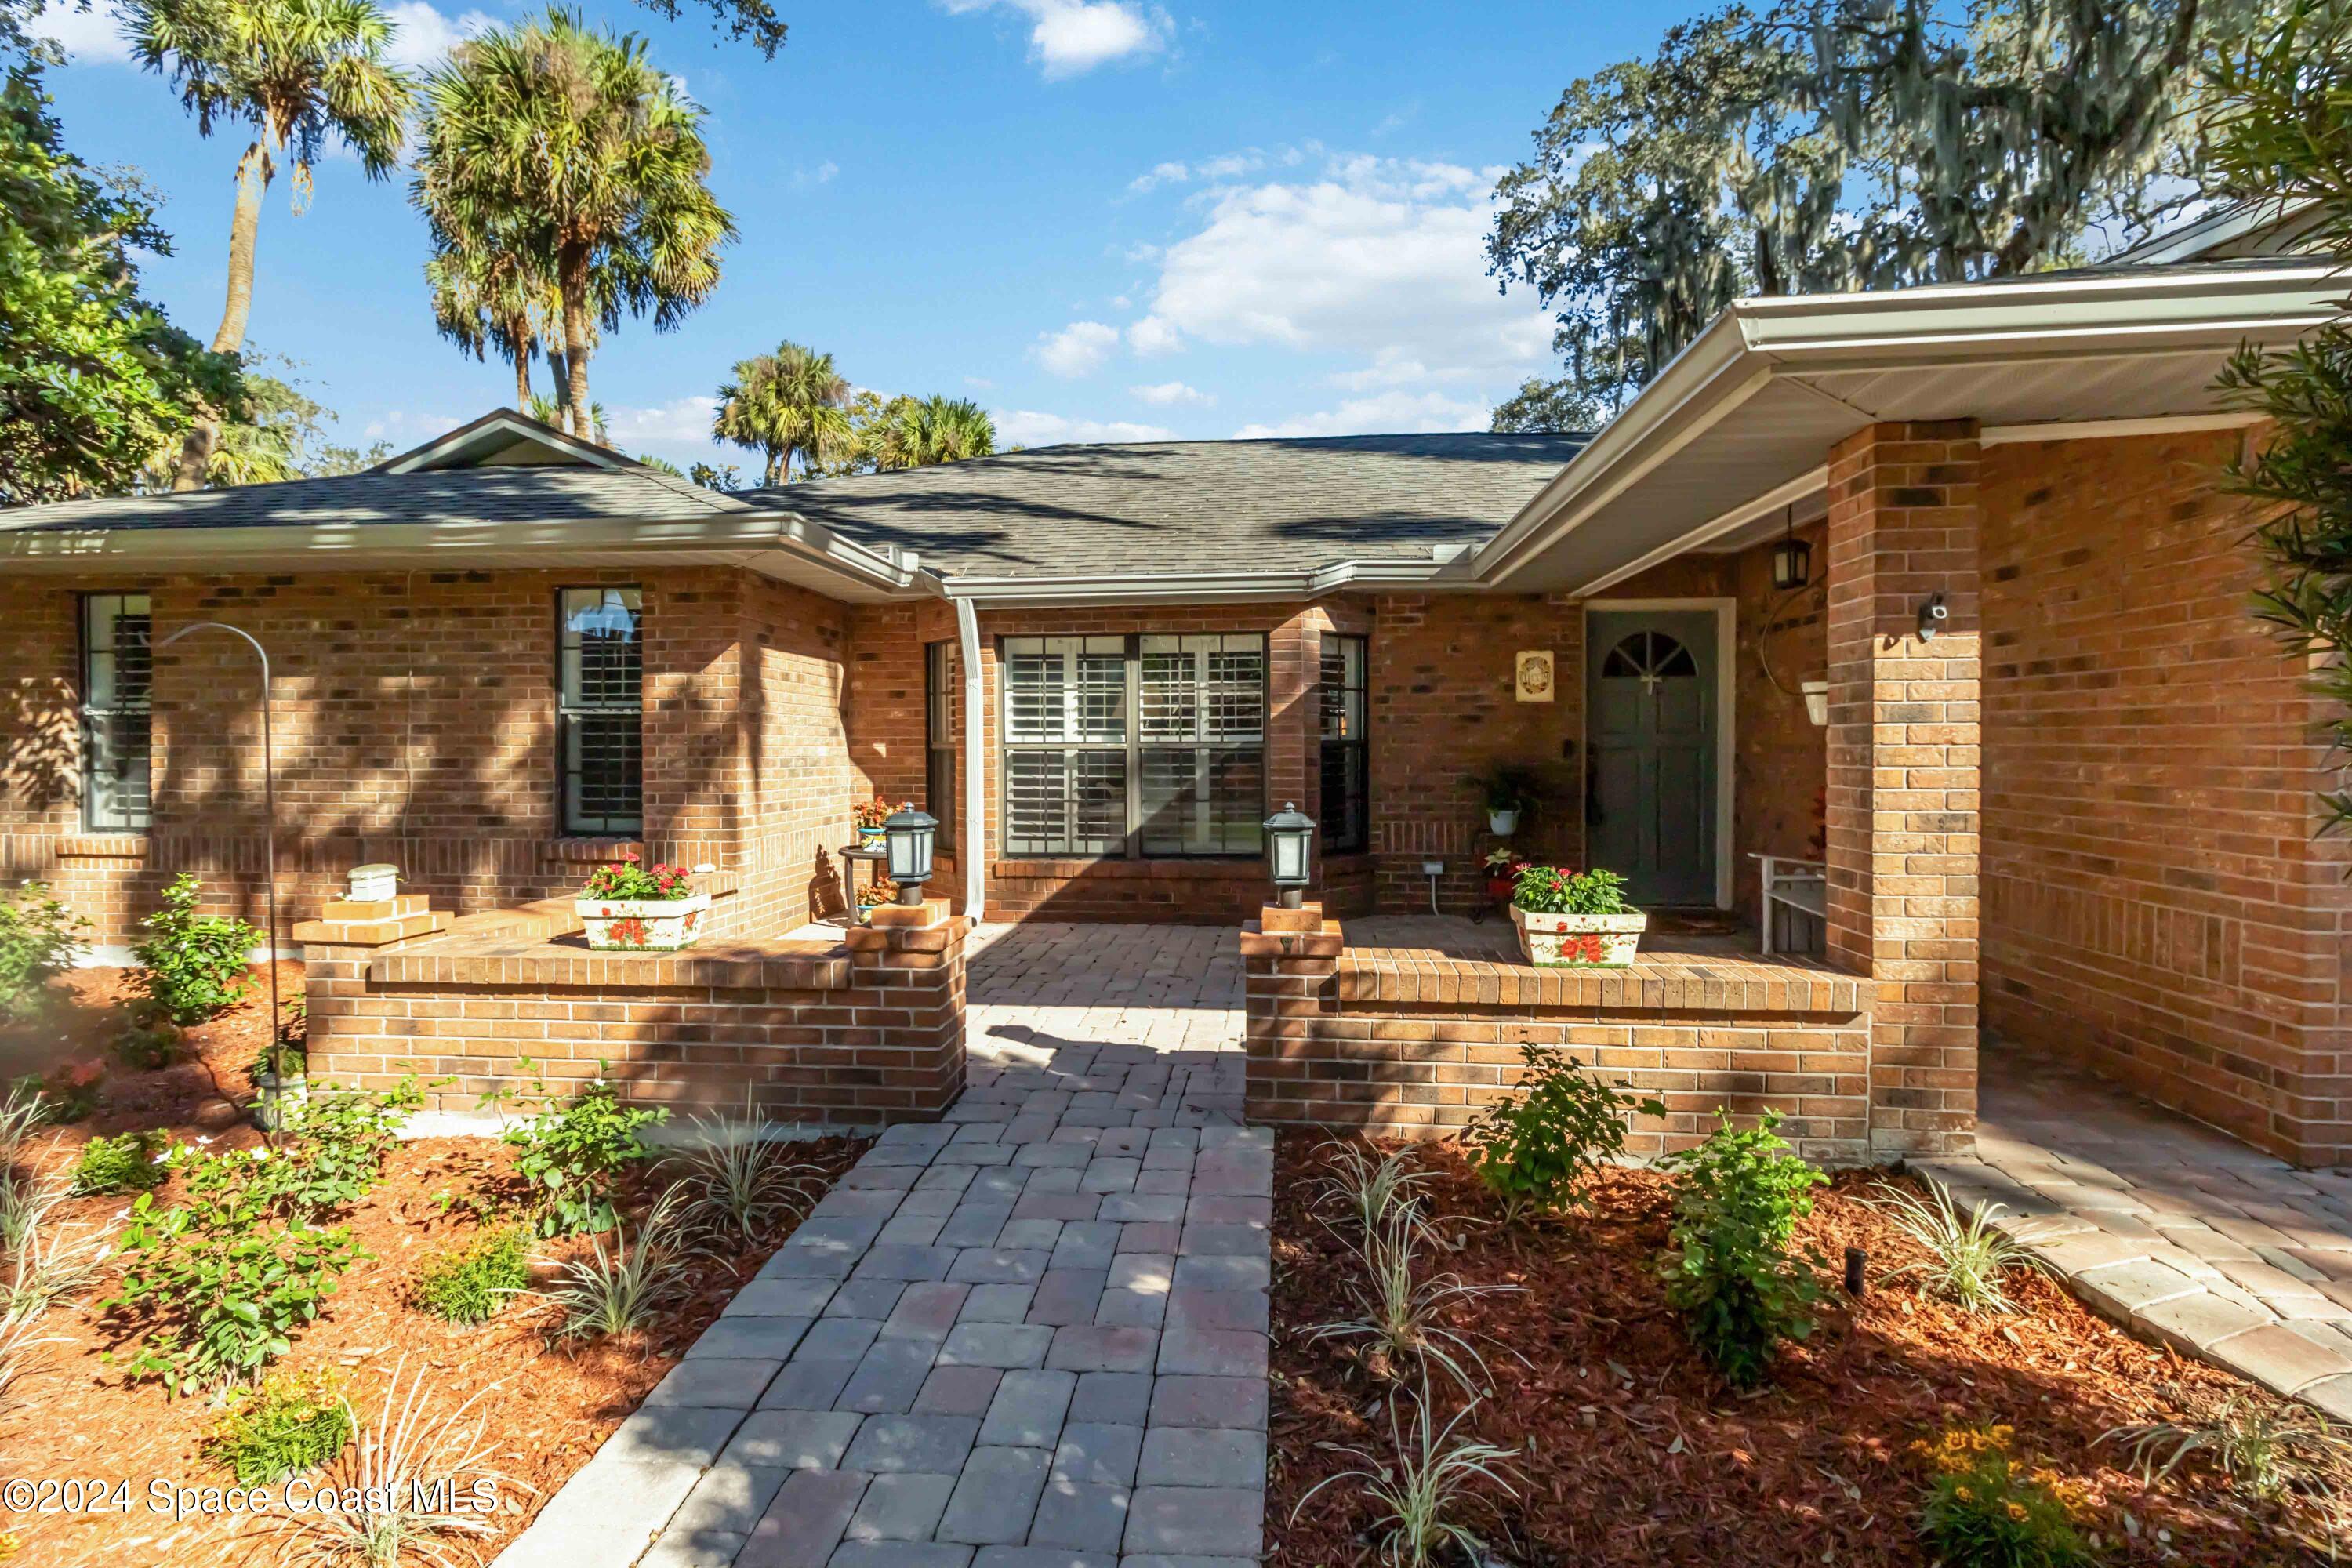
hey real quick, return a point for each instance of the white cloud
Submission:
(1078, 349)
(821, 175)
(1388, 413)
(1224, 166)
(1153, 335)
(422, 37)
(1028, 427)
(1168, 394)
(89, 37)
(1068, 38)
(1377, 261)
(1159, 174)
(680, 419)
(401, 427)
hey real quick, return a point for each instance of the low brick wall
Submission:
(1410, 1042)
(867, 1029)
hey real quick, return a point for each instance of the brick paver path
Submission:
(2180, 1232)
(1032, 1336)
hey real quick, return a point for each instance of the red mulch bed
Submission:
(81, 1418)
(1631, 1452)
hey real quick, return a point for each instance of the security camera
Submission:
(1932, 615)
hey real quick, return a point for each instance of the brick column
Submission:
(906, 1009)
(1288, 959)
(1904, 759)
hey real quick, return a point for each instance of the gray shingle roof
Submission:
(551, 494)
(1189, 506)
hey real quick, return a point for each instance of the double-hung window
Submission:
(1150, 745)
(1346, 818)
(941, 704)
(600, 684)
(116, 670)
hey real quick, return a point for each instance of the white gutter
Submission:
(971, 834)
(738, 536)
(1201, 587)
(1756, 342)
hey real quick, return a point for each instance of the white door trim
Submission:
(1727, 743)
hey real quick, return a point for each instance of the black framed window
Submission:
(600, 684)
(1346, 795)
(942, 704)
(1151, 745)
(117, 674)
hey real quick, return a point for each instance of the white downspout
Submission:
(971, 838)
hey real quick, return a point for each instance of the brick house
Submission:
(2076, 808)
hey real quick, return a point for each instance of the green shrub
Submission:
(470, 1283)
(1537, 1149)
(127, 1162)
(1985, 1510)
(1548, 889)
(194, 964)
(286, 1425)
(220, 1295)
(1729, 1270)
(65, 1094)
(39, 939)
(332, 1151)
(144, 1049)
(572, 1153)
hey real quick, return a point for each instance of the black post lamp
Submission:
(1288, 834)
(907, 833)
(1792, 559)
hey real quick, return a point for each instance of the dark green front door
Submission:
(1649, 739)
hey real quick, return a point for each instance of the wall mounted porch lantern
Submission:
(1792, 559)
(1288, 832)
(908, 836)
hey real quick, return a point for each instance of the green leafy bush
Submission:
(1537, 1149)
(127, 1162)
(1985, 1510)
(283, 1427)
(572, 1153)
(39, 939)
(471, 1282)
(331, 1155)
(1548, 889)
(143, 1049)
(195, 964)
(66, 1093)
(220, 1297)
(1729, 1270)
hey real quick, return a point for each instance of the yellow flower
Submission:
(1964, 1494)
(2017, 1510)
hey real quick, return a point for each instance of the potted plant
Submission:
(874, 894)
(630, 908)
(1503, 868)
(1510, 794)
(871, 816)
(1575, 920)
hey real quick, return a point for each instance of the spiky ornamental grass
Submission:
(1364, 1183)
(1969, 1258)
(2264, 1446)
(49, 1258)
(616, 1290)
(738, 1182)
(1420, 1494)
(1403, 1314)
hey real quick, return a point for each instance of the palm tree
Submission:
(939, 429)
(298, 71)
(788, 404)
(491, 297)
(568, 146)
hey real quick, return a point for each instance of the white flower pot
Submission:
(665, 925)
(1502, 824)
(281, 1099)
(1817, 700)
(1578, 941)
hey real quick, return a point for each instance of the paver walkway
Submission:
(1031, 1336)
(2176, 1229)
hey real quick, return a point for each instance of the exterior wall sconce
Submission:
(1932, 615)
(1288, 834)
(908, 834)
(1792, 560)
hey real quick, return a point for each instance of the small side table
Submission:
(875, 860)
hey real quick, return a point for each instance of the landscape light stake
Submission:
(1856, 1261)
(269, 836)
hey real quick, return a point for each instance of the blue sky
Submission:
(1103, 219)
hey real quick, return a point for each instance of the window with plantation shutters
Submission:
(117, 668)
(1148, 746)
(1345, 761)
(600, 682)
(942, 689)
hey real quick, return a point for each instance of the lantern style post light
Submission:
(1288, 834)
(1792, 560)
(908, 836)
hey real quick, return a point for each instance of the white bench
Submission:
(1801, 884)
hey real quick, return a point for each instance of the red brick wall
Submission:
(1782, 759)
(414, 722)
(2155, 906)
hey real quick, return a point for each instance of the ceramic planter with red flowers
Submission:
(1575, 920)
(629, 908)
